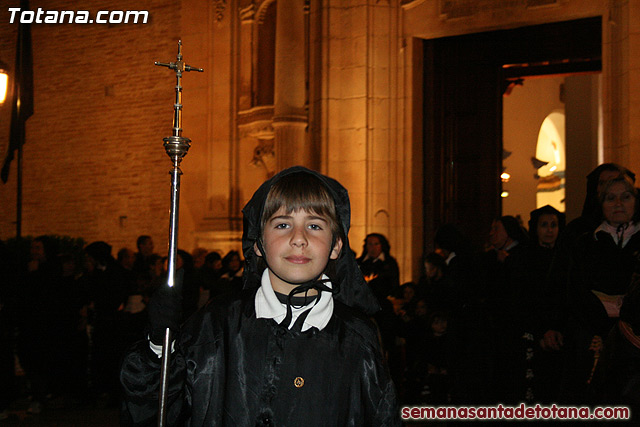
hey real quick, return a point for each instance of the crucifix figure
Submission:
(176, 145)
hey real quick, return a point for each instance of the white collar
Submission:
(380, 257)
(511, 245)
(451, 256)
(269, 307)
(628, 230)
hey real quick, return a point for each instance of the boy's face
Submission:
(298, 247)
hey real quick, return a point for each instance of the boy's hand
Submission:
(165, 310)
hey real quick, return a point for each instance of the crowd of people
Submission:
(544, 313)
(67, 318)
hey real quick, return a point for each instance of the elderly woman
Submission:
(604, 260)
(600, 273)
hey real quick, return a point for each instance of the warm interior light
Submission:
(4, 85)
(504, 194)
(505, 177)
(553, 168)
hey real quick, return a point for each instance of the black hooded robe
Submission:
(230, 368)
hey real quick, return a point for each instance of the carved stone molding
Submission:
(248, 14)
(453, 9)
(264, 156)
(262, 10)
(262, 129)
(249, 119)
(220, 6)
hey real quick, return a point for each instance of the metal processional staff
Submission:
(176, 147)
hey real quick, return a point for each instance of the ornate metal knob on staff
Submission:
(176, 147)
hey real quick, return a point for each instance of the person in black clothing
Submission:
(381, 272)
(591, 215)
(532, 304)
(37, 327)
(145, 247)
(379, 268)
(68, 301)
(507, 240)
(617, 379)
(108, 293)
(297, 348)
(437, 287)
(7, 324)
(190, 284)
(231, 274)
(438, 354)
(460, 268)
(600, 272)
(210, 276)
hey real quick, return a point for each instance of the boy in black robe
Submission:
(297, 348)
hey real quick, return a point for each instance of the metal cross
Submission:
(176, 147)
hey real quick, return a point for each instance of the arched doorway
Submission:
(550, 189)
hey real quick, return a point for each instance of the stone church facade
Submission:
(336, 86)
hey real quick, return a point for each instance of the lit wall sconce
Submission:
(505, 177)
(504, 194)
(4, 82)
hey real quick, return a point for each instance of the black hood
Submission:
(353, 290)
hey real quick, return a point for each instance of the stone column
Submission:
(290, 118)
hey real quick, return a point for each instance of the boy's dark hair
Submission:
(302, 191)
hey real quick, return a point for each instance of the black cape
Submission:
(230, 368)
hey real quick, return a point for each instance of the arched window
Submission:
(550, 148)
(265, 69)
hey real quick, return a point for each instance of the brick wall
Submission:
(94, 164)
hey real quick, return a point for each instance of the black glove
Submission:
(165, 310)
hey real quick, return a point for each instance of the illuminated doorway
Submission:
(533, 145)
(468, 138)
